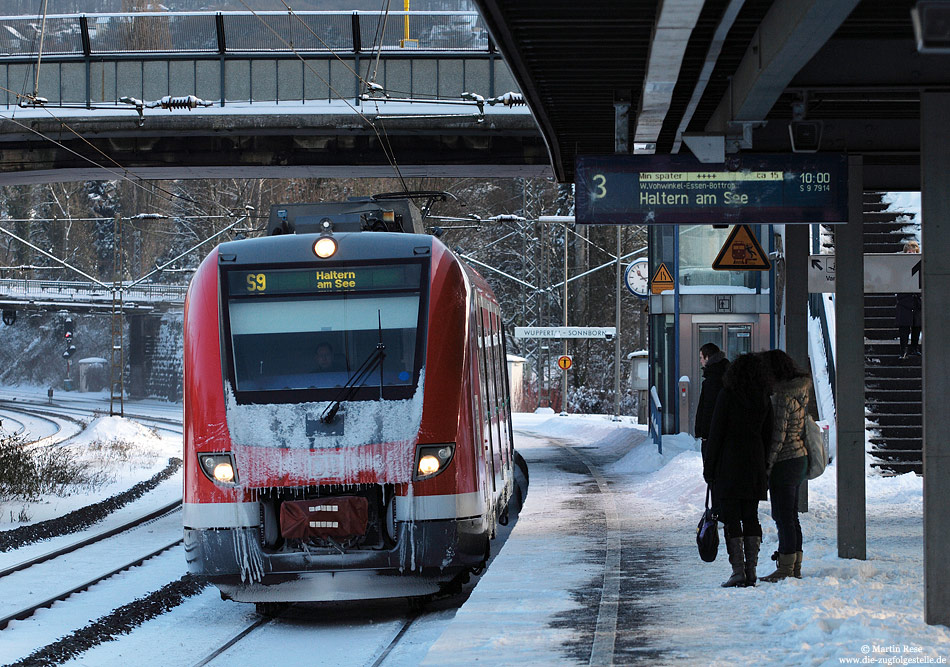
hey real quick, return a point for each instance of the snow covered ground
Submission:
(840, 612)
(543, 600)
(119, 452)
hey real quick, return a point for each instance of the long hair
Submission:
(748, 375)
(782, 367)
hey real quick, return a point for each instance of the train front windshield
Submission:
(303, 334)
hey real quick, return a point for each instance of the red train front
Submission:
(347, 424)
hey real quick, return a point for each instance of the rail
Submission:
(816, 308)
(656, 419)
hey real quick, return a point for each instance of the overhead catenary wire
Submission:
(39, 52)
(55, 258)
(384, 144)
(380, 35)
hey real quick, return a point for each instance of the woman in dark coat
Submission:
(739, 436)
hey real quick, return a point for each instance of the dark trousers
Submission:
(908, 336)
(740, 517)
(785, 514)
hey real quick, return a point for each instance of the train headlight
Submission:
(429, 465)
(219, 468)
(433, 459)
(224, 472)
(324, 247)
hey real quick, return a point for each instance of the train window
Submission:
(317, 343)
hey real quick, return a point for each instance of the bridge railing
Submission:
(241, 32)
(86, 291)
(94, 61)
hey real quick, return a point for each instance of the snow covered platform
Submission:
(609, 503)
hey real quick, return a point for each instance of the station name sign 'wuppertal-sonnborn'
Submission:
(745, 189)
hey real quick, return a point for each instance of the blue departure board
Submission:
(678, 189)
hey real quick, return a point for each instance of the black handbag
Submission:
(707, 533)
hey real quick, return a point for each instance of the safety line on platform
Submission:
(605, 632)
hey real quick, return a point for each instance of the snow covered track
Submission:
(28, 611)
(49, 600)
(378, 662)
(61, 551)
(234, 640)
(43, 427)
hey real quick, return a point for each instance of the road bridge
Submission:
(262, 94)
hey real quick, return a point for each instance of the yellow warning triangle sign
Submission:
(742, 252)
(662, 280)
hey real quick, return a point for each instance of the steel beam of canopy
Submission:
(935, 234)
(849, 308)
(788, 37)
(671, 34)
(499, 27)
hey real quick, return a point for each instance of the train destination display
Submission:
(350, 278)
(678, 189)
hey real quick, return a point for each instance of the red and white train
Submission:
(347, 421)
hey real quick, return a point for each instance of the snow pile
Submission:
(119, 453)
(117, 429)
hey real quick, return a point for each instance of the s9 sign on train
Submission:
(347, 424)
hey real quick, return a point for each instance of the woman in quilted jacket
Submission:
(787, 459)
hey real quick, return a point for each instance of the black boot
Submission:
(737, 560)
(751, 544)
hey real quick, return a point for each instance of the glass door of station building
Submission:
(733, 339)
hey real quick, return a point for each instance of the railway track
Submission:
(85, 577)
(79, 544)
(75, 413)
(380, 659)
(29, 610)
(83, 573)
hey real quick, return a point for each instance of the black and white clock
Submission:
(637, 277)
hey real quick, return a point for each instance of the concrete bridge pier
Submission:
(143, 332)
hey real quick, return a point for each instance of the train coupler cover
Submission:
(336, 517)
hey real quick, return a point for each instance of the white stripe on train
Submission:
(422, 508)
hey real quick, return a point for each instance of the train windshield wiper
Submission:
(359, 377)
(355, 381)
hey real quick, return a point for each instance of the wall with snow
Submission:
(32, 351)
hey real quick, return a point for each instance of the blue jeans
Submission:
(784, 497)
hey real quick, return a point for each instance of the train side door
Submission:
(485, 381)
(495, 377)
